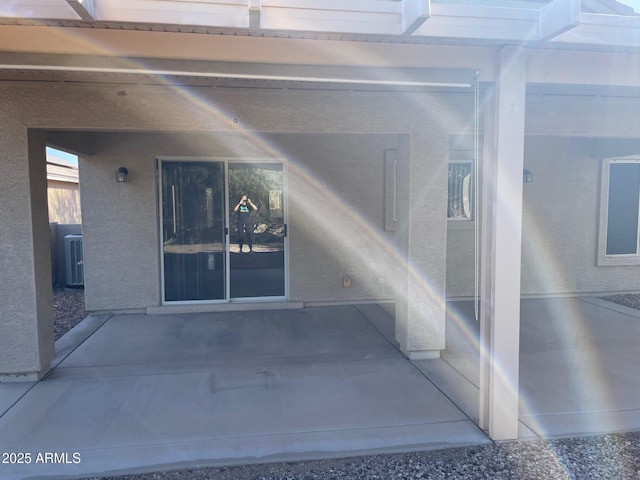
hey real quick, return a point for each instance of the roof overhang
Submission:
(560, 22)
(374, 43)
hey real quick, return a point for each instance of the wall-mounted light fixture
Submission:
(527, 176)
(121, 175)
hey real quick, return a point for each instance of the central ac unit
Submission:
(73, 260)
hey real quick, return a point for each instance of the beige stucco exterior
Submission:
(563, 199)
(335, 184)
(338, 169)
(335, 181)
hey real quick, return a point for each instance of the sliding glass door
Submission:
(223, 230)
(258, 230)
(193, 231)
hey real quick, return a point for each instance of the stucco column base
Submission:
(422, 354)
(24, 377)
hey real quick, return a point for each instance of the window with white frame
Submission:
(459, 201)
(621, 209)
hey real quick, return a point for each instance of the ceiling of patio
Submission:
(560, 23)
(176, 41)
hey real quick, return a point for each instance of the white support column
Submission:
(502, 235)
(26, 300)
(487, 177)
(420, 304)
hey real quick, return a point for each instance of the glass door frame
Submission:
(227, 228)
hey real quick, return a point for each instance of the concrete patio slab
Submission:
(136, 393)
(150, 392)
(578, 366)
(11, 393)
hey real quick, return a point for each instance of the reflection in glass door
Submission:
(193, 230)
(223, 230)
(258, 230)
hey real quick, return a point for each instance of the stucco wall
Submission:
(560, 225)
(330, 112)
(460, 259)
(335, 195)
(567, 139)
(120, 243)
(336, 205)
(120, 224)
(561, 222)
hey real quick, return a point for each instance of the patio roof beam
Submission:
(481, 23)
(218, 13)
(36, 9)
(255, 7)
(84, 8)
(414, 14)
(605, 30)
(558, 17)
(346, 16)
(559, 22)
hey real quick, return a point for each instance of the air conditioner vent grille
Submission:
(73, 260)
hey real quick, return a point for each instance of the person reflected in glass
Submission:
(245, 208)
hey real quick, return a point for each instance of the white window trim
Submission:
(603, 258)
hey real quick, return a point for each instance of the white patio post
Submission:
(26, 300)
(501, 249)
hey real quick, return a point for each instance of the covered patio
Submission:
(368, 113)
(185, 390)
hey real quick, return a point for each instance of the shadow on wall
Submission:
(58, 232)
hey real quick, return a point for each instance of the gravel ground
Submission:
(68, 309)
(612, 456)
(615, 457)
(628, 300)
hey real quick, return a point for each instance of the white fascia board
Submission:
(345, 6)
(558, 17)
(570, 67)
(482, 23)
(221, 13)
(348, 16)
(603, 30)
(273, 20)
(35, 9)
(414, 14)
